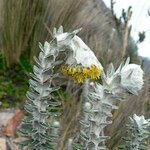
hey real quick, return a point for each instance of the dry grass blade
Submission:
(22, 26)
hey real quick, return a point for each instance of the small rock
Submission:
(5, 116)
(12, 124)
(3, 144)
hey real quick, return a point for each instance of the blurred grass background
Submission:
(23, 24)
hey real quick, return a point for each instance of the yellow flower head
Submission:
(80, 74)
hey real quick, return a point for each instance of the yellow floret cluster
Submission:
(80, 74)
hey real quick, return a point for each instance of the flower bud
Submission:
(132, 78)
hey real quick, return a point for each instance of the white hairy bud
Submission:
(132, 77)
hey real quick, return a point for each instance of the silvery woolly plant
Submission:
(101, 99)
(138, 133)
(98, 100)
(41, 125)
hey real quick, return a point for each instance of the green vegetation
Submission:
(13, 83)
(22, 27)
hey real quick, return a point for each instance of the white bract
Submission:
(140, 120)
(132, 77)
(82, 54)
